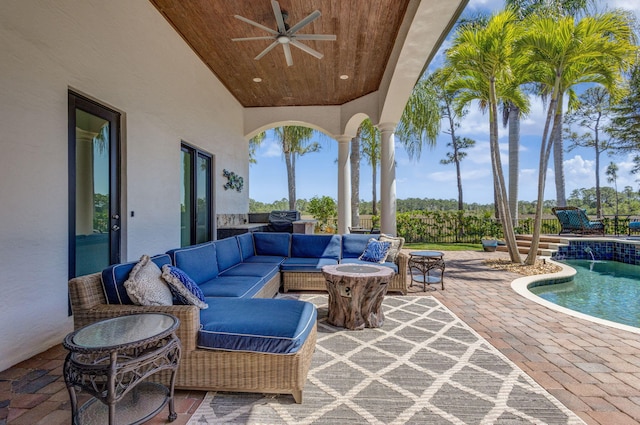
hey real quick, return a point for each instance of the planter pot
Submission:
(489, 245)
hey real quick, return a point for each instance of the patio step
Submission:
(546, 247)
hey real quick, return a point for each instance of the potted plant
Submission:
(489, 243)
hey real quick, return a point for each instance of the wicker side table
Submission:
(422, 263)
(112, 359)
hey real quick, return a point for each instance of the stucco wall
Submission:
(124, 54)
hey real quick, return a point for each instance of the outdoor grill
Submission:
(282, 221)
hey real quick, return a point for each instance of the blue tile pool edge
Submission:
(522, 285)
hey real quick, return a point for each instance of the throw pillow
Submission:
(183, 287)
(376, 251)
(396, 246)
(145, 285)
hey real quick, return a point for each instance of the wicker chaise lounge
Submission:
(203, 369)
(575, 220)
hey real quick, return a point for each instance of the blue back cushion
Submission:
(315, 246)
(272, 243)
(245, 241)
(113, 278)
(353, 245)
(227, 253)
(197, 261)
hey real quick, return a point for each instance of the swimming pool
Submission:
(608, 290)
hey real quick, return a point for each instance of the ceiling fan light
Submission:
(283, 39)
(257, 80)
(344, 77)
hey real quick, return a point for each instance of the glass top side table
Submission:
(112, 359)
(421, 265)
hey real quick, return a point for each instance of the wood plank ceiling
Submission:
(366, 31)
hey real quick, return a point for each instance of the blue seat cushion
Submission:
(389, 264)
(113, 278)
(272, 259)
(296, 264)
(634, 225)
(233, 286)
(256, 325)
(315, 246)
(227, 253)
(198, 261)
(245, 241)
(266, 270)
(353, 245)
(271, 243)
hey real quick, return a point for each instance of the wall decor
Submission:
(234, 181)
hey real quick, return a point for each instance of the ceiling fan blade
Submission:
(312, 16)
(287, 54)
(266, 37)
(276, 11)
(255, 24)
(307, 49)
(265, 51)
(321, 37)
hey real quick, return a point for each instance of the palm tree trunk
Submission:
(355, 181)
(558, 157)
(514, 161)
(545, 153)
(291, 179)
(501, 192)
(374, 203)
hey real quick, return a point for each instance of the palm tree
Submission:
(370, 139)
(525, 8)
(254, 144)
(420, 121)
(293, 140)
(484, 57)
(561, 53)
(511, 113)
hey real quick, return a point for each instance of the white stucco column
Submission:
(344, 184)
(388, 179)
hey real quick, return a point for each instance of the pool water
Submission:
(609, 290)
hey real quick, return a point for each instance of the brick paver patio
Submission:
(593, 369)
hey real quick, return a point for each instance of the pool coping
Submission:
(521, 286)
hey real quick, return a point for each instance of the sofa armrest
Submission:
(89, 305)
(402, 261)
(188, 315)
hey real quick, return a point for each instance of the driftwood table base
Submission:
(356, 293)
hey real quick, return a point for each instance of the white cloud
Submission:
(271, 148)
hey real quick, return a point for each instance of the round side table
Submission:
(111, 360)
(421, 265)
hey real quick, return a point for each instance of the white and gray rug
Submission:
(424, 366)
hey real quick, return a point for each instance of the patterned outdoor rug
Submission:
(424, 366)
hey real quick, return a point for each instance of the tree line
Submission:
(626, 202)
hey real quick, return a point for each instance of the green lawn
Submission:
(444, 246)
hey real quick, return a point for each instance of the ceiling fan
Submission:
(285, 35)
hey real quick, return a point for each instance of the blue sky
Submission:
(317, 173)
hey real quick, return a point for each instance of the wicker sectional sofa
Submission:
(238, 276)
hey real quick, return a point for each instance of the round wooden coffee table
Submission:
(356, 293)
